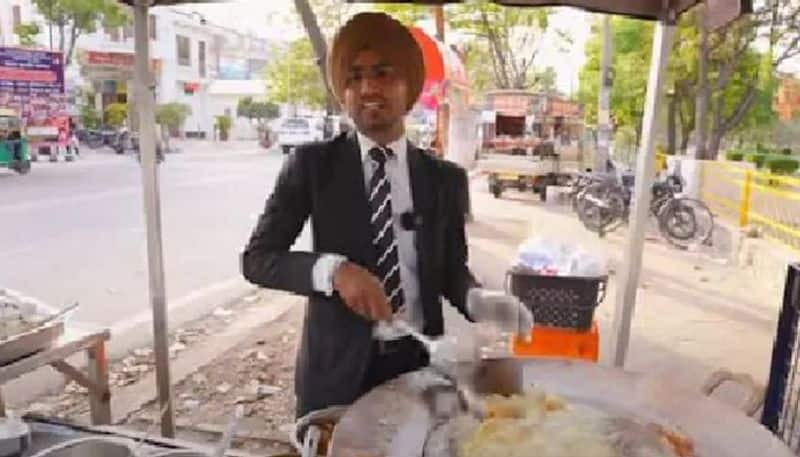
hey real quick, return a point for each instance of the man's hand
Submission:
(362, 292)
(501, 310)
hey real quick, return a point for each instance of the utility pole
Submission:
(604, 102)
(438, 14)
(701, 104)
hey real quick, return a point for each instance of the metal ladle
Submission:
(440, 363)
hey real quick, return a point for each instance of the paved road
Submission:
(75, 231)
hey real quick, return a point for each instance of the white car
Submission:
(295, 131)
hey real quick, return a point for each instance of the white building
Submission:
(224, 96)
(188, 54)
(12, 14)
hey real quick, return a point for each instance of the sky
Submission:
(254, 15)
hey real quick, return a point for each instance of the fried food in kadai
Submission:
(542, 425)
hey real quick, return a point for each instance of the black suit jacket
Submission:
(325, 181)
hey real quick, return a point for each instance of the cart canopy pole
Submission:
(145, 104)
(645, 171)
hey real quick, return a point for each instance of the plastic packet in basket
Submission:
(558, 258)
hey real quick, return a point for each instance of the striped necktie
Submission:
(380, 201)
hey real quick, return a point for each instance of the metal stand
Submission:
(629, 280)
(145, 104)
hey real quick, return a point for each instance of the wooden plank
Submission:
(100, 396)
(73, 373)
(61, 351)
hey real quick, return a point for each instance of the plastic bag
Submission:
(555, 257)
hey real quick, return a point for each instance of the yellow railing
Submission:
(661, 162)
(750, 197)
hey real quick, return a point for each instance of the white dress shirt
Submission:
(402, 202)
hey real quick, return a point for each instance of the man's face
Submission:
(376, 94)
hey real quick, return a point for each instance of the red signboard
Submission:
(118, 60)
(511, 104)
(112, 59)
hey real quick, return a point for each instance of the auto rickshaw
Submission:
(13, 143)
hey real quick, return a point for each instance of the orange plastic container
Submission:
(559, 342)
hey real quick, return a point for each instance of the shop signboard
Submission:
(31, 72)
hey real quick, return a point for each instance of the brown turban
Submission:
(386, 36)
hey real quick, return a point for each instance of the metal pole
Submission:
(604, 101)
(438, 15)
(145, 104)
(629, 280)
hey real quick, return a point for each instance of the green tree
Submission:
(223, 125)
(512, 35)
(546, 80)
(27, 33)
(478, 65)
(258, 112)
(171, 116)
(631, 41)
(739, 97)
(407, 14)
(73, 18)
(741, 78)
(116, 113)
(293, 77)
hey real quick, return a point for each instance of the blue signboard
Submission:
(31, 72)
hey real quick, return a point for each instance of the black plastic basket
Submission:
(558, 301)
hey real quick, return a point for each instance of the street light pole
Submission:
(604, 101)
(145, 105)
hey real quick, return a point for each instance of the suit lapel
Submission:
(355, 194)
(423, 192)
(422, 189)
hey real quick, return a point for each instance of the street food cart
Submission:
(395, 419)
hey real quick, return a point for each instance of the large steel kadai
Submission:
(396, 419)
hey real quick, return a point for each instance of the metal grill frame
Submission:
(781, 413)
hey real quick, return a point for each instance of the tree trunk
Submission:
(721, 126)
(714, 144)
(74, 34)
(62, 38)
(701, 107)
(494, 43)
(311, 25)
(685, 140)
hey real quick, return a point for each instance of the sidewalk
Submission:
(695, 312)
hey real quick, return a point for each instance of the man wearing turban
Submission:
(388, 236)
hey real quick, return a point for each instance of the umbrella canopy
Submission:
(643, 9)
(720, 11)
(665, 11)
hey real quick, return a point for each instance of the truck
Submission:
(526, 139)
